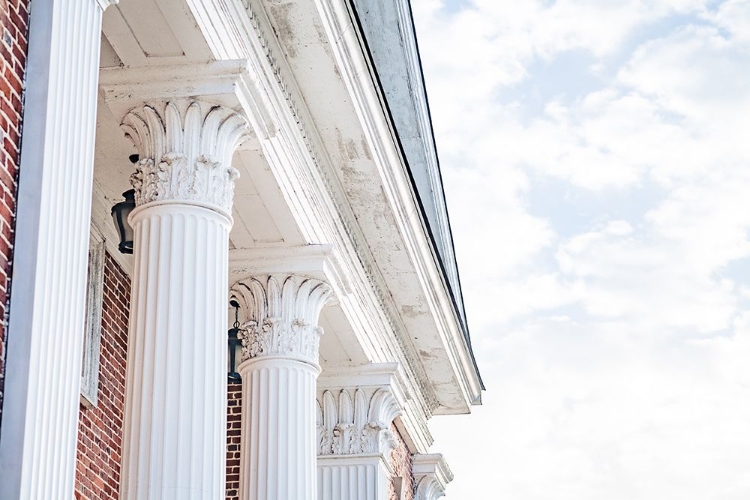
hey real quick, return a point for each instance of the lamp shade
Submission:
(120, 214)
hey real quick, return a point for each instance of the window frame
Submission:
(93, 319)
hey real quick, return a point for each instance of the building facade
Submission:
(286, 194)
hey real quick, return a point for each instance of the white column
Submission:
(431, 475)
(280, 367)
(174, 429)
(45, 333)
(354, 443)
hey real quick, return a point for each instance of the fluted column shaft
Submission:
(175, 421)
(279, 372)
(278, 430)
(175, 413)
(45, 330)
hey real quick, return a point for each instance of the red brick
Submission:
(14, 19)
(401, 464)
(100, 428)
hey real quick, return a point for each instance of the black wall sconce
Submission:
(235, 344)
(120, 213)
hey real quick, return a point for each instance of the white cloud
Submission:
(613, 342)
(647, 281)
(579, 411)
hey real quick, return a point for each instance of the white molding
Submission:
(229, 83)
(307, 260)
(431, 476)
(103, 4)
(390, 35)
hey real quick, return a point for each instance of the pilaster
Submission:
(45, 333)
(175, 412)
(280, 339)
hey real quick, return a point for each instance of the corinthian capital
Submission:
(281, 316)
(354, 422)
(185, 150)
(431, 475)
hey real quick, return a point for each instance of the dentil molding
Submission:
(356, 425)
(281, 314)
(185, 150)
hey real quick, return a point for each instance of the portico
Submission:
(269, 170)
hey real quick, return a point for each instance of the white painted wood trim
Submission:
(431, 476)
(92, 333)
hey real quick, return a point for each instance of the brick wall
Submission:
(401, 464)
(13, 48)
(234, 417)
(100, 428)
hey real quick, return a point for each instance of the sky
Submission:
(596, 161)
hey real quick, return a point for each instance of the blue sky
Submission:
(597, 169)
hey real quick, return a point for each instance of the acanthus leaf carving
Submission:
(429, 488)
(361, 425)
(282, 316)
(185, 156)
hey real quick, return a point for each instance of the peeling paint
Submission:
(284, 28)
(366, 149)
